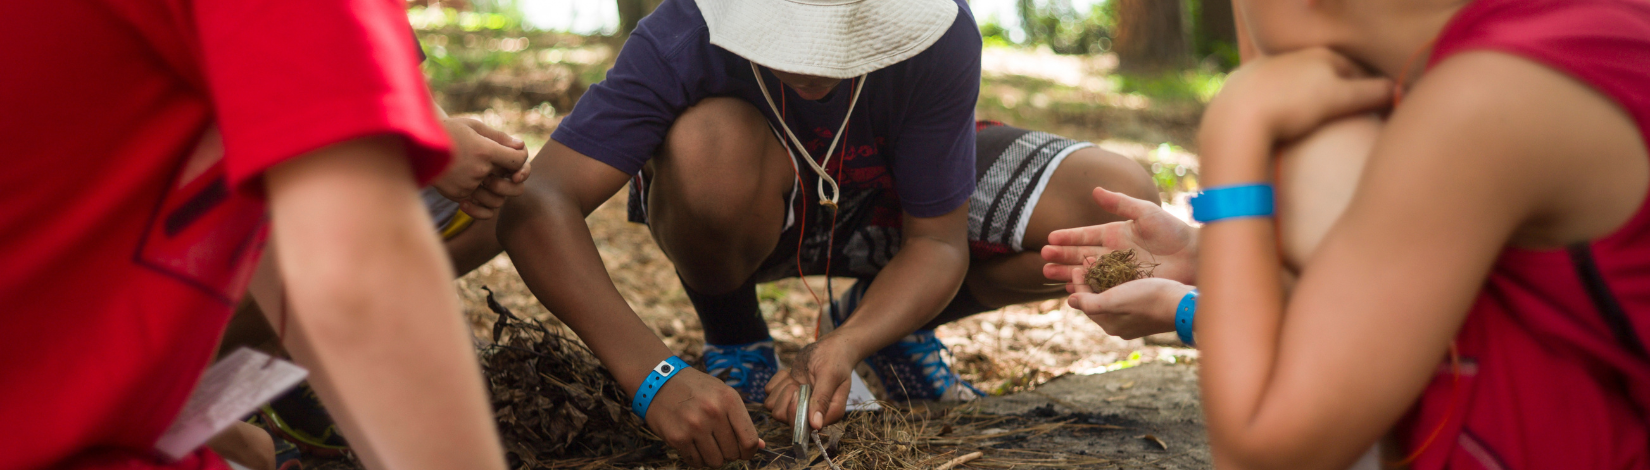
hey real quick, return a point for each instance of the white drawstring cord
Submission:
(819, 166)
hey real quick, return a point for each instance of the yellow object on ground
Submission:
(456, 226)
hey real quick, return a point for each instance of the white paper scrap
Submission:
(859, 396)
(230, 389)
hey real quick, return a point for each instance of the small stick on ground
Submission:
(822, 452)
(954, 463)
(1116, 268)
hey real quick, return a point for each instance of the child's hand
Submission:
(827, 365)
(704, 420)
(1289, 95)
(1133, 309)
(488, 167)
(1166, 240)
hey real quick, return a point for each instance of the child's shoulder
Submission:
(675, 28)
(1603, 44)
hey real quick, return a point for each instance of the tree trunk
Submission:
(631, 13)
(1149, 36)
(1217, 24)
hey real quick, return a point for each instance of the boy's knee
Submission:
(1093, 167)
(1131, 178)
(719, 165)
(717, 131)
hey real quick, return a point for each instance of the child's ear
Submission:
(1317, 176)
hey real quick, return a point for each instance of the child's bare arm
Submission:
(1395, 276)
(373, 311)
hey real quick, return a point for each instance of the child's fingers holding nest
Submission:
(1072, 254)
(1079, 283)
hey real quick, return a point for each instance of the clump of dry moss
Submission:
(1116, 268)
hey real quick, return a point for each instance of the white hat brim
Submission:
(827, 38)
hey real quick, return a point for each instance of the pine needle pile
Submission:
(1114, 269)
(557, 407)
(925, 438)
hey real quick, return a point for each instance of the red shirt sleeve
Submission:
(288, 77)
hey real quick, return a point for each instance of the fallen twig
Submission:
(954, 463)
(822, 452)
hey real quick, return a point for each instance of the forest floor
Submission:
(1089, 400)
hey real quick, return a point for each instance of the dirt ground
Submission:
(1141, 417)
(1046, 364)
(1096, 400)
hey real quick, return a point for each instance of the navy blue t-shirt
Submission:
(911, 136)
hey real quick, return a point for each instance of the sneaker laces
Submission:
(735, 360)
(926, 350)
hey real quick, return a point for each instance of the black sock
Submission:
(730, 318)
(961, 306)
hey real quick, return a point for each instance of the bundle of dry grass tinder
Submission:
(1114, 269)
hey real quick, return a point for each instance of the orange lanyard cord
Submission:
(1398, 83)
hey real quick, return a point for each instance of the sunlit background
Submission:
(601, 17)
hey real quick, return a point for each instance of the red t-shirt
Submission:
(1544, 381)
(125, 235)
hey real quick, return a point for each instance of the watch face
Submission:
(665, 369)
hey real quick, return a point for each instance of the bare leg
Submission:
(475, 246)
(717, 198)
(245, 444)
(1066, 203)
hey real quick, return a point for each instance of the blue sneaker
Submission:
(745, 367)
(914, 368)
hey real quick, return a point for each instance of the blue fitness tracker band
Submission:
(661, 373)
(1183, 316)
(1233, 202)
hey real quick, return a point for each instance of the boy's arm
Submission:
(373, 313)
(917, 283)
(546, 235)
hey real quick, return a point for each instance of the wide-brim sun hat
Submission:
(827, 38)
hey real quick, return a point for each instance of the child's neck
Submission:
(1389, 40)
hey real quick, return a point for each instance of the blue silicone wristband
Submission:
(1233, 202)
(655, 379)
(1183, 316)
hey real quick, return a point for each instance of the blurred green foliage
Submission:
(461, 46)
(993, 34)
(1189, 85)
(1067, 30)
(1064, 29)
(1171, 176)
(447, 63)
(496, 15)
(1215, 51)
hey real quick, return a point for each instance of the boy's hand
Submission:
(1289, 95)
(704, 420)
(1133, 309)
(1165, 239)
(488, 167)
(827, 365)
